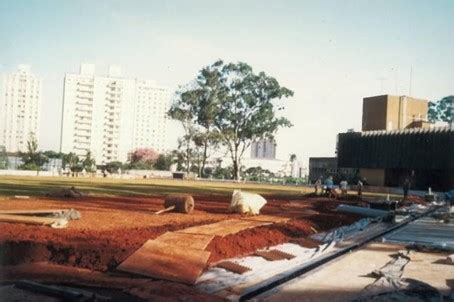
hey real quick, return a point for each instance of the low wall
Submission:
(149, 173)
(28, 173)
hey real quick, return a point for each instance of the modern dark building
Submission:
(386, 158)
(327, 166)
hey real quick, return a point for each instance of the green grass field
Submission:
(38, 186)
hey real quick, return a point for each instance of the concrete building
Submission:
(20, 103)
(397, 143)
(150, 118)
(389, 112)
(111, 116)
(263, 148)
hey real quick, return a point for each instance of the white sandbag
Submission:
(246, 203)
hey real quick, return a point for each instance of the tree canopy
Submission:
(53, 154)
(89, 163)
(442, 110)
(248, 111)
(292, 157)
(142, 158)
(231, 105)
(71, 161)
(196, 106)
(164, 162)
(33, 159)
(258, 173)
(114, 167)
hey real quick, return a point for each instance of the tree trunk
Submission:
(204, 159)
(236, 170)
(236, 165)
(199, 166)
(188, 157)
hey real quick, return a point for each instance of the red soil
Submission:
(112, 228)
(414, 199)
(248, 241)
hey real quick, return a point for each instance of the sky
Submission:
(330, 53)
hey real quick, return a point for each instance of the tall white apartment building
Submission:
(263, 148)
(111, 116)
(20, 103)
(150, 118)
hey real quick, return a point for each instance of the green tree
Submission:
(223, 173)
(3, 158)
(53, 154)
(257, 173)
(442, 110)
(33, 159)
(229, 104)
(164, 162)
(182, 113)
(178, 159)
(72, 162)
(293, 165)
(248, 111)
(189, 151)
(292, 157)
(89, 163)
(196, 106)
(114, 167)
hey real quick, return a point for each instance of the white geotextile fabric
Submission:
(215, 278)
(246, 203)
(338, 234)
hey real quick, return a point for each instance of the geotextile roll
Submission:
(183, 203)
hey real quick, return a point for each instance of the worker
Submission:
(343, 186)
(329, 186)
(360, 188)
(65, 193)
(318, 186)
(74, 193)
(406, 187)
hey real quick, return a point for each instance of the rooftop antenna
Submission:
(382, 80)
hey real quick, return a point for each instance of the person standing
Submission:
(343, 186)
(406, 187)
(329, 186)
(318, 186)
(360, 188)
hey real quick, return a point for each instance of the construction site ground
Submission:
(329, 283)
(118, 218)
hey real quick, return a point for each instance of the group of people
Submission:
(330, 190)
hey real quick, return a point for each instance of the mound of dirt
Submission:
(248, 241)
(413, 199)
